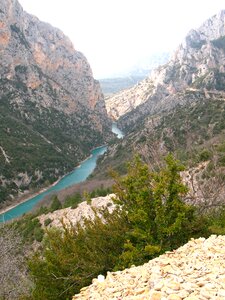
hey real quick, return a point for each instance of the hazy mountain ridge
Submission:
(111, 86)
(52, 109)
(138, 72)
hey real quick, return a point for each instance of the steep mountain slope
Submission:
(198, 63)
(182, 111)
(52, 110)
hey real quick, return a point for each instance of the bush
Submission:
(47, 222)
(72, 201)
(205, 155)
(56, 204)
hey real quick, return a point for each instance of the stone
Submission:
(221, 293)
(188, 63)
(195, 283)
(174, 297)
(155, 296)
(159, 285)
(174, 285)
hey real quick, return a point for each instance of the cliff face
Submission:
(198, 63)
(52, 109)
(38, 54)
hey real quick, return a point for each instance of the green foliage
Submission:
(30, 228)
(47, 222)
(217, 221)
(197, 44)
(56, 204)
(15, 29)
(219, 43)
(205, 155)
(100, 192)
(113, 85)
(45, 143)
(72, 201)
(157, 217)
(150, 218)
(72, 257)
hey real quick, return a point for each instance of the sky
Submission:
(115, 34)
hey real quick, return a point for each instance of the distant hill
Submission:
(111, 86)
(139, 71)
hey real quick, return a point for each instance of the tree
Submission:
(56, 204)
(152, 205)
(73, 256)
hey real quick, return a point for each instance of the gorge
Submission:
(78, 175)
(166, 157)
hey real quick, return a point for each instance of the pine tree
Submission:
(155, 213)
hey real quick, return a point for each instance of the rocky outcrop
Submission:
(52, 110)
(198, 63)
(192, 272)
(70, 216)
(127, 100)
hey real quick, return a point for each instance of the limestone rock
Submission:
(201, 260)
(71, 216)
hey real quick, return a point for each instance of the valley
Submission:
(102, 176)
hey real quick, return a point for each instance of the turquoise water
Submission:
(78, 175)
(117, 131)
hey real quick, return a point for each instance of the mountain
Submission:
(198, 63)
(180, 108)
(52, 109)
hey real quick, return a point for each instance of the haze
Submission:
(115, 34)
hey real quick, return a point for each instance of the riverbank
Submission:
(31, 195)
(79, 174)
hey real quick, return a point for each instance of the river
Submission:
(79, 174)
(117, 131)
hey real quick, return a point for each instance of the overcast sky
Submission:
(115, 34)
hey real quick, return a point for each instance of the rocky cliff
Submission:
(192, 272)
(198, 63)
(180, 108)
(52, 109)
